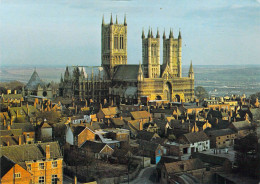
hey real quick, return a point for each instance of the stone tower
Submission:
(172, 53)
(113, 45)
(151, 54)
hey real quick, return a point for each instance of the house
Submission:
(43, 161)
(11, 172)
(163, 127)
(12, 140)
(221, 138)
(44, 132)
(152, 150)
(118, 122)
(150, 127)
(172, 172)
(122, 154)
(147, 136)
(27, 129)
(199, 141)
(78, 134)
(98, 149)
(243, 128)
(177, 150)
(220, 164)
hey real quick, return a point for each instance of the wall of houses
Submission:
(85, 135)
(50, 169)
(17, 175)
(69, 136)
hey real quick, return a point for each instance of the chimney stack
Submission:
(8, 127)
(48, 153)
(20, 140)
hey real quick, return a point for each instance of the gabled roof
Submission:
(95, 147)
(140, 115)
(193, 137)
(34, 82)
(6, 165)
(28, 152)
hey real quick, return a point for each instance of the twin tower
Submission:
(114, 50)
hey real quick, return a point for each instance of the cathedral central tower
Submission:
(113, 45)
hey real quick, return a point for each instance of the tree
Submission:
(52, 117)
(254, 96)
(201, 93)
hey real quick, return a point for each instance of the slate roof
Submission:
(6, 165)
(148, 146)
(193, 137)
(94, 147)
(144, 135)
(211, 159)
(161, 124)
(126, 72)
(140, 115)
(34, 82)
(242, 125)
(118, 121)
(28, 152)
(26, 127)
(220, 132)
(177, 167)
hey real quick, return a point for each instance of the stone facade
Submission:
(116, 80)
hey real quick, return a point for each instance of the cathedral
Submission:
(117, 81)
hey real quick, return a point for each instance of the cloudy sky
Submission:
(68, 32)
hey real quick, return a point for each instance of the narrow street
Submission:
(146, 176)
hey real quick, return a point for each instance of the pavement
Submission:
(146, 176)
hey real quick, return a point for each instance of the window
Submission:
(29, 167)
(54, 164)
(41, 165)
(116, 42)
(17, 175)
(121, 42)
(41, 180)
(54, 179)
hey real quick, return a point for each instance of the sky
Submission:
(68, 32)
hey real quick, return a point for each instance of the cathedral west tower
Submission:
(113, 45)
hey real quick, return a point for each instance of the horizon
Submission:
(69, 33)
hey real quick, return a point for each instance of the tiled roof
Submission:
(110, 111)
(149, 146)
(140, 114)
(118, 121)
(11, 140)
(94, 147)
(26, 127)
